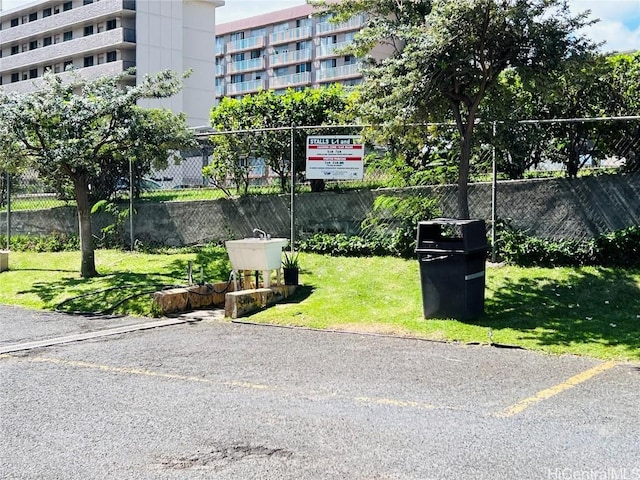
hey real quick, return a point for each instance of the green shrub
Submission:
(55, 242)
(617, 249)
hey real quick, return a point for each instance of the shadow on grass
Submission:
(302, 293)
(101, 293)
(601, 306)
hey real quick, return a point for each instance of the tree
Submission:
(268, 110)
(78, 130)
(447, 55)
(589, 86)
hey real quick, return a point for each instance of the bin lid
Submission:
(451, 235)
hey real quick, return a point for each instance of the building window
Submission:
(46, 12)
(66, 36)
(87, 2)
(25, 76)
(15, 77)
(46, 41)
(67, 6)
(237, 78)
(67, 65)
(33, 45)
(111, 24)
(303, 67)
(237, 57)
(256, 54)
(281, 71)
(88, 61)
(15, 49)
(237, 36)
(100, 58)
(330, 63)
(14, 23)
(56, 10)
(33, 17)
(47, 68)
(112, 56)
(88, 30)
(33, 73)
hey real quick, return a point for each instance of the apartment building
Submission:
(106, 37)
(291, 48)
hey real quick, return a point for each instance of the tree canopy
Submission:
(448, 54)
(268, 110)
(79, 129)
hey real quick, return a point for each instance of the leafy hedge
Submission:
(617, 249)
(55, 242)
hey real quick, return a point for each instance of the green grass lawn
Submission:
(587, 311)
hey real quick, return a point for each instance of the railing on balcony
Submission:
(328, 27)
(290, 80)
(220, 91)
(246, 44)
(330, 49)
(219, 50)
(219, 70)
(245, 87)
(246, 65)
(337, 72)
(295, 56)
(292, 35)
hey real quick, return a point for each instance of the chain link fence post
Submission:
(494, 195)
(293, 186)
(8, 193)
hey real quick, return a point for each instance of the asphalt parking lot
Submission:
(210, 399)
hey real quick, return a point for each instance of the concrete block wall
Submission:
(550, 208)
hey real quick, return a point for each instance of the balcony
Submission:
(330, 50)
(79, 47)
(246, 65)
(338, 73)
(293, 80)
(90, 73)
(219, 70)
(219, 50)
(76, 16)
(219, 90)
(286, 36)
(245, 87)
(246, 44)
(296, 56)
(327, 27)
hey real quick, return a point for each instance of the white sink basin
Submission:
(255, 253)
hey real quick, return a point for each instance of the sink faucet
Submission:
(262, 234)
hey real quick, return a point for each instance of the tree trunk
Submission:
(88, 263)
(463, 175)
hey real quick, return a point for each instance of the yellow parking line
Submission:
(395, 403)
(233, 383)
(556, 389)
(140, 371)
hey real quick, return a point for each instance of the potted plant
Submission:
(290, 268)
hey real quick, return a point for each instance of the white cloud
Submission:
(619, 24)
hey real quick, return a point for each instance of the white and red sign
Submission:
(340, 157)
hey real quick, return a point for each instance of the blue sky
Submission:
(619, 22)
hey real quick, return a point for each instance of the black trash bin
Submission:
(452, 255)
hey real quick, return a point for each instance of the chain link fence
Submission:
(556, 179)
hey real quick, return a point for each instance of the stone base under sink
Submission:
(236, 304)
